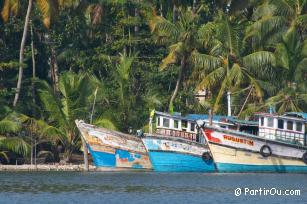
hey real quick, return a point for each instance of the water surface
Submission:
(146, 187)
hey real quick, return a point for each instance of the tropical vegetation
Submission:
(110, 62)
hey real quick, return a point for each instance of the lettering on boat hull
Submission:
(237, 152)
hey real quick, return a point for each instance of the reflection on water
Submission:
(140, 187)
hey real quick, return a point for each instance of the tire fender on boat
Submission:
(304, 157)
(265, 151)
(206, 156)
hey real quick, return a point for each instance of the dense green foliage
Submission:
(111, 62)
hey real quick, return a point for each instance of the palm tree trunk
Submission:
(136, 15)
(161, 8)
(174, 13)
(33, 52)
(182, 65)
(21, 52)
(54, 69)
(194, 6)
(33, 64)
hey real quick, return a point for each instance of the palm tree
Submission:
(48, 10)
(273, 18)
(291, 81)
(292, 55)
(73, 103)
(182, 38)
(228, 65)
(9, 140)
(288, 99)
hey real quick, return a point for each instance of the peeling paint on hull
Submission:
(170, 154)
(114, 149)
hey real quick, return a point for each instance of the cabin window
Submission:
(158, 121)
(270, 122)
(184, 124)
(262, 121)
(299, 127)
(280, 124)
(176, 124)
(165, 122)
(192, 127)
(289, 125)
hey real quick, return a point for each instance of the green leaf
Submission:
(281, 54)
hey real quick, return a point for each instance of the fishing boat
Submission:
(114, 149)
(176, 146)
(279, 145)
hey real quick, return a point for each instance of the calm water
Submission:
(134, 188)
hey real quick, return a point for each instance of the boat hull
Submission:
(169, 154)
(114, 149)
(242, 153)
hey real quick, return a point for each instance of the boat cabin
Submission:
(183, 126)
(290, 127)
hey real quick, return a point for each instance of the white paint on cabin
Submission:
(282, 128)
(175, 124)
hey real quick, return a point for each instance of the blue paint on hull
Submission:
(177, 162)
(103, 159)
(225, 167)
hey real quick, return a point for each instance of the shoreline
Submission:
(56, 167)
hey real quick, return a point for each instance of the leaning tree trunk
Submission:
(194, 6)
(174, 13)
(21, 52)
(54, 69)
(33, 65)
(182, 65)
(136, 15)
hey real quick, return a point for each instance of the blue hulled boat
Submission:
(173, 154)
(114, 149)
(176, 146)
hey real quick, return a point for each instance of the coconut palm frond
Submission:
(48, 9)
(124, 66)
(9, 7)
(206, 62)
(281, 54)
(302, 21)
(172, 56)
(15, 144)
(9, 126)
(4, 155)
(300, 71)
(212, 79)
(284, 7)
(105, 123)
(259, 62)
(53, 106)
(229, 34)
(206, 32)
(262, 29)
(163, 28)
